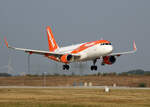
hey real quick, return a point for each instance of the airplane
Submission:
(88, 51)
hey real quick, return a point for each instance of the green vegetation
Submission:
(63, 97)
(5, 75)
(137, 72)
(131, 72)
(142, 84)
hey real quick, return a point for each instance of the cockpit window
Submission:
(105, 43)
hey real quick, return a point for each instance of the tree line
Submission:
(131, 72)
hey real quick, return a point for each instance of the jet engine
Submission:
(109, 60)
(66, 58)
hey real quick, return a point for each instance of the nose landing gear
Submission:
(94, 67)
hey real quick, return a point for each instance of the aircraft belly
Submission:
(89, 54)
(93, 53)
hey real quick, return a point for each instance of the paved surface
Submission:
(76, 87)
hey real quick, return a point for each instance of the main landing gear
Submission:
(66, 67)
(94, 67)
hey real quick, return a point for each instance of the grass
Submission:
(73, 98)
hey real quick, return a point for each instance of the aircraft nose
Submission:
(110, 49)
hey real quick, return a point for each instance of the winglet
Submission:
(134, 46)
(6, 42)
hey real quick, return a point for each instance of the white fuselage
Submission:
(90, 53)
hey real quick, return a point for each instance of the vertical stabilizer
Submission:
(51, 40)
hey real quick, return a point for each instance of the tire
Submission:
(95, 68)
(91, 68)
(67, 67)
(64, 67)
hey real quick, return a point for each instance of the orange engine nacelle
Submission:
(66, 58)
(109, 60)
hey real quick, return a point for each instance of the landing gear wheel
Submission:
(66, 67)
(94, 68)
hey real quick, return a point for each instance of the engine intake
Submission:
(66, 58)
(109, 60)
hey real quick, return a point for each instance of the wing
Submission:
(39, 52)
(128, 52)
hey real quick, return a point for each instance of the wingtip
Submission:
(48, 27)
(134, 46)
(5, 40)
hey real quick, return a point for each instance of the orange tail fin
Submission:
(51, 41)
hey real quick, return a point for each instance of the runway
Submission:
(75, 87)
